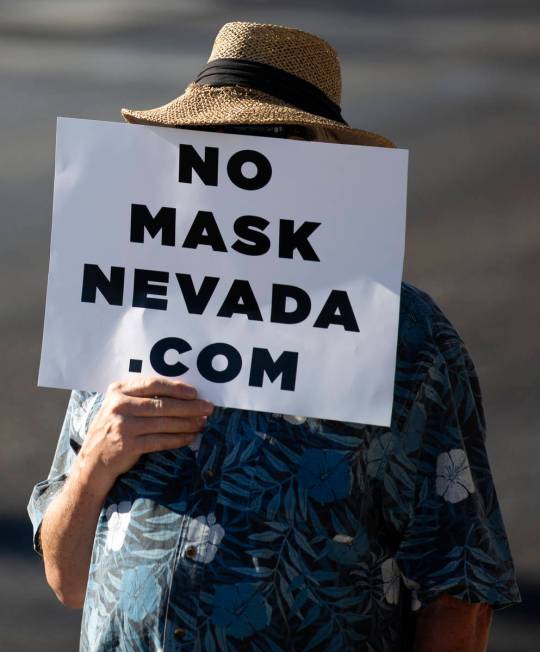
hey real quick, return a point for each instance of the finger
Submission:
(157, 386)
(164, 441)
(163, 407)
(144, 425)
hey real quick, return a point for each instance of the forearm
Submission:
(136, 417)
(451, 625)
(67, 534)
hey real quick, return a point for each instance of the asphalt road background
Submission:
(460, 89)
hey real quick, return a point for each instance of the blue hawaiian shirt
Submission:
(275, 533)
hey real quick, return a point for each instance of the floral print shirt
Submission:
(275, 533)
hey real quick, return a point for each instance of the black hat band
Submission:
(276, 82)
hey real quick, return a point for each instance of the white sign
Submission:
(266, 272)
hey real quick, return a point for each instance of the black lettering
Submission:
(145, 283)
(262, 176)
(204, 230)
(240, 300)
(206, 168)
(337, 310)
(196, 302)
(289, 239)
(157, 356)
(207, 355)
(164, 221)
(280, 294)
(135, 366)
(111, 288)
(285, 366)
(249, 227)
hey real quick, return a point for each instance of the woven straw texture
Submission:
(299, 53)
(302, 54)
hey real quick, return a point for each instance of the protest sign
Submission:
(266, 272)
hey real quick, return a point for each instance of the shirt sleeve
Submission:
(81, 407)
(455, 541)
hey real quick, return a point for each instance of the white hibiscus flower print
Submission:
(390, 577)
(205, 535)
(454, 480)
(118, 517)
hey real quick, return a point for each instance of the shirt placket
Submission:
(181, 622)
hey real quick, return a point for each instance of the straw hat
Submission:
(263, 74)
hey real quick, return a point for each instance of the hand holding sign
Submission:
(138, 417)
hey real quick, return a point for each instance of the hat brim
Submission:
(203, 105)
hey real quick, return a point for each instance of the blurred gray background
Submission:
(459, 88)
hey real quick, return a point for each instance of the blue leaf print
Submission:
(258, 572)
(262, 553)
(304, 544)
(480, 555)
(324, 632)
(312, 615)
(290, 505)
(276, 463)
(288, 452)
(273, 505)
(285, 591)
(209, 643)
(248, 451)
(265, 536)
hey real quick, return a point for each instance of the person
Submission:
(180, 525)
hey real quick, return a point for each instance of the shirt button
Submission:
(209, 474)
(179, 632)
(190, 552)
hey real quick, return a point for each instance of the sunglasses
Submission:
(272, 131)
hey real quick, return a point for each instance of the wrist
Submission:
(91, 476)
